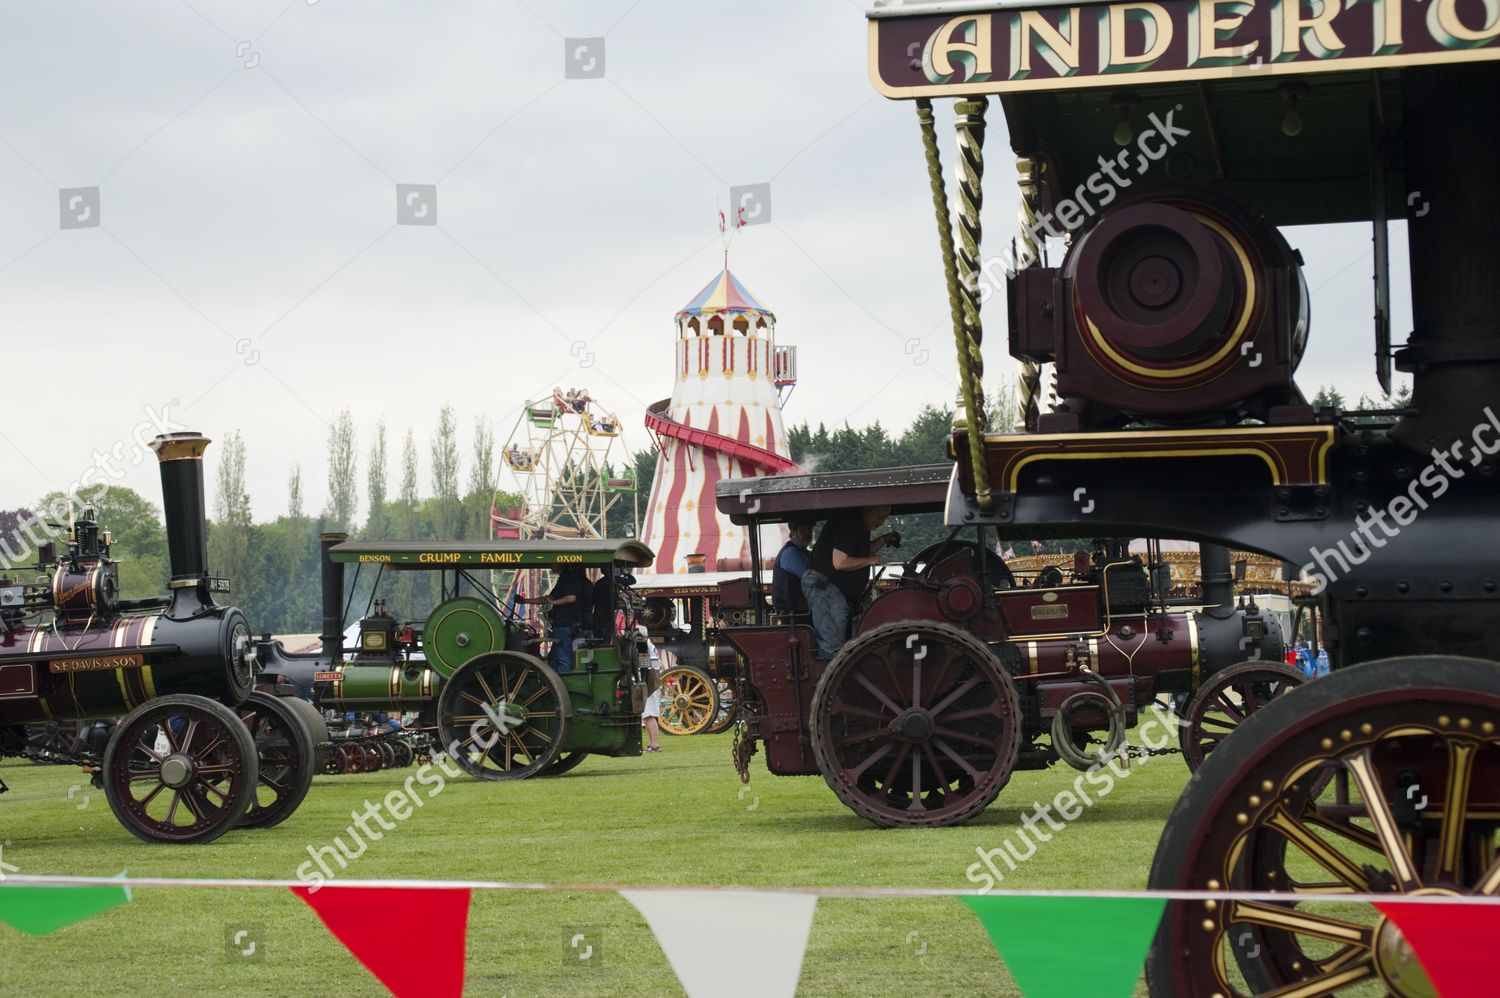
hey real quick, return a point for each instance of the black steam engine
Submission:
(1175, 322)
(197, 750)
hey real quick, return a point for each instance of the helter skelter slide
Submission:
(722, 421)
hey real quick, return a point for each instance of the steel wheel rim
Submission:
(192, 788)
(916, 740)
(688, 701)
(1374, 844)
(532, 716)
(1212, 715)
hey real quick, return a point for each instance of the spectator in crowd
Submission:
(787, 598)
(651, 713)
(839, 570)
(567, 603)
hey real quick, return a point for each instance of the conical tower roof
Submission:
(724, 295)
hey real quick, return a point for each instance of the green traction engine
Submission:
(473, 671)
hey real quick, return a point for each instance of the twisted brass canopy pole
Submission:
(962, 271)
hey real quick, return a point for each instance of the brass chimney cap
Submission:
(187, 446)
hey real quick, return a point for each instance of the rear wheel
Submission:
(1383, 778)
(317, 727)
(689, 700)
(503, 716)
(284, 759)
(180, 768)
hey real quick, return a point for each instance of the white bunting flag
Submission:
(730, 944)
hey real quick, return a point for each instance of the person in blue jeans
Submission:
(839, 570)
(567, 604)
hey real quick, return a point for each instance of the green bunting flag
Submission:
(1061, 947)
(40, 910)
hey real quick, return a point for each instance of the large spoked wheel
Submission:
(503, 716)
(180, 768)
(284, 759)
(689, 700)
(1382, 778)
(916, 724)
(1224, 702)
(729, 707)
(565, 762)
(317, 728)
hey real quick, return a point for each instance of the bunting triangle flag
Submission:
(730, 944)
(1455, 943)
(40, 910)
(1039, 940)
(420, 954)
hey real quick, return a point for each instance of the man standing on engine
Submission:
(839, 571)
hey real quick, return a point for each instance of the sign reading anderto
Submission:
(1114, 44)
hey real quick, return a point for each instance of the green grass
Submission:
(680, 817)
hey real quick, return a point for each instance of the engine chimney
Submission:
(1218, 580)
(333, 598)
(181, 459)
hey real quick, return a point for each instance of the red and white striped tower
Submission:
(722, 421)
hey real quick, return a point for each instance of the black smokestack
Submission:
(333, 598)
(181, 459)
(1218, 580)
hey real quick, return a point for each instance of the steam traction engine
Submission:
(960, 672)
(1175, 320)
(197, 751)
(473, 671)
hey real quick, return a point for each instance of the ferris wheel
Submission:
(558, 458)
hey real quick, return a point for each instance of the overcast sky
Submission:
(246, 271)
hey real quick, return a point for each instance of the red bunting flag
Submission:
(1454, 942)
(417, 955)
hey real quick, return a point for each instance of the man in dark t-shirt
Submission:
(839, 570)
(568, 602)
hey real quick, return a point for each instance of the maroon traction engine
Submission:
(1015, 672)
(197, 751)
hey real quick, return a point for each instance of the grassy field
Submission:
(680, 817)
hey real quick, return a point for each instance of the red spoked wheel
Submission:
(916, 724)
(180, 768)
(1229, 697)
(1383, 778)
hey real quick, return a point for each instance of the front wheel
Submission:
(180, 768)
(503, 716)
(1230, 696)
(689, 700)
(1382, 778)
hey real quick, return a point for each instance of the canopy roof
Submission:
(588, 552)
(724, 295)
(916, 489)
